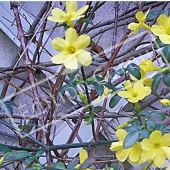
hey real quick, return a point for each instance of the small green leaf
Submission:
(156, 114)
(160, 127)
(39, 153)
(166, 130)
(110, 86)
(57, 166)
(29, 160)
(133, 127)
(133, 69)
(144, 113)
(166, 54)
(114, 101)
(99, 88)
(5, 148)
(87, 163)
(145, 133)
(14, 156)
(101, 108)
(131, 139)
(115, 167)
(151, 123)
(155, 83)
(166, 79)
(121, 71)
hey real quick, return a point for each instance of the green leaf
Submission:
(114, 101)
(160, 127)
(133, 69)
(99, 88)
(101, 108)
(144, 113)
(39, 153)
(87, 163)
(131, 139)
(110, 86)
(145, 133)
(60, 91)
(57, 166)
(166, 79)
(5, 148)
(153, 13)
(156, 114)
(166, 130)
(29, 160)
(155, 83)
(14, 156)
(10, 103)
(86, 20)
(133, 127)
(166, 54)
(88, 120)
(115, 167)
(151, 123)
(121, 71)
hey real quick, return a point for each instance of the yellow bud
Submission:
(1, 160)
(165, 102)
(83, 97)
(122, 126)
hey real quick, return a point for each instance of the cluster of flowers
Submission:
(72, 48)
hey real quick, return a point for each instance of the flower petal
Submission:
(163, 21)
(148, 155)
(159, 160)
(124, 94)
(71, 6)
(81, 10)
(155, 136)
(135, 152)
(122, 154)
(133, 100)
(143, 74)
(166, 150)
(148, 82)
(83, 155)
(165, 140)
(165, 38)
(157, 30)
(71, 63)
(59, 44)
(84, 57)
(138, 86)
(139, 16)
(116, 146)
(71, 35)
(82, 41)
(146, 144)
(58, 15)
(77, 17)
(121, 134)
(60, 58)
(134, 26)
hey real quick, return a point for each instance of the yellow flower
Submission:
(135, 93)
(71, 50)
(2, 160)
(70, 16)
(163, 29)
(141, 18)
(156, 148)
(144, 80)
(83, 156)
(165, 102)
(105, 94)
(122, 154)
(147, 66)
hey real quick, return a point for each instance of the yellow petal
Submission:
(98, 99)
(166, 151)
(82, 42)
(57, 15)
(140, 16)
(148, 82)
(138, 86)
(128, 85)
(70, 35)
(59, 44)
(159, 160)
(77, 17)
(157, 30)
(71, 6)
(145, 26)
(81, 10)
(163, 21)
(71, 63)
(165, 38)
(121, 134)
(133, 100)
(84, 57)
(83, 155)
(146, 144)
(147, 12)
(155, 136)
(147, 155)
(134, 26)
(165, 140)
(135, 152)
(122, 154)
(60, 58)
(116, 146)
(143, 74)
(124, 94)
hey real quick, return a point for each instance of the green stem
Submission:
(90, 16)
(88, 100)
(136, 112)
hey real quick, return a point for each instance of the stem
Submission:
(88, 100)
(137, 110)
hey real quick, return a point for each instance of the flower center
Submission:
(156, 145)
(134, 94)
(71, 50)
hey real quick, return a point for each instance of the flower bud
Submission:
(83, 97)
(165, 102)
